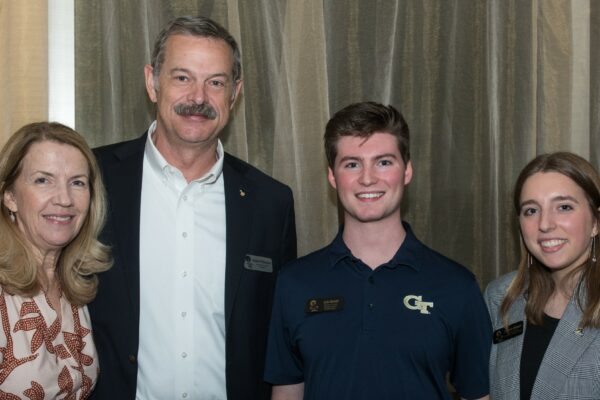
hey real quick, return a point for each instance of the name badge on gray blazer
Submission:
(503, 334)
(258, 263)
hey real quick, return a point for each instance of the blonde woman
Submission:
(52, 210)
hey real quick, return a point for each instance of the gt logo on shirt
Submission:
(413, 302)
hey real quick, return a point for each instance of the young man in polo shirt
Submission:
(376, 314)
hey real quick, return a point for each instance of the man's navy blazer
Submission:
(260, 222)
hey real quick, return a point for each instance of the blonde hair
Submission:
(84, 256)
(533, 278)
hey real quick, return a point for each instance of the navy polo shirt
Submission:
(350, 332)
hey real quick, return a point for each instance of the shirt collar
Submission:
(161, 167)
(410, 252)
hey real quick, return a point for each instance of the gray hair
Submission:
(194, 26)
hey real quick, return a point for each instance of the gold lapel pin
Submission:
(579, 331)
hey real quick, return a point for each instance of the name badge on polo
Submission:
(258, 263)
(503, 334)
(314, 306)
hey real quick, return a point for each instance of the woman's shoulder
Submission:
(500, 284)
(496, 290)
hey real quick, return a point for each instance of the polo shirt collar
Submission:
(409, 254)
(161, 167)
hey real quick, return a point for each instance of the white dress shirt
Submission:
(182, 281)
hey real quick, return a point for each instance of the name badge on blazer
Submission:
(258, 263)
(513, 330)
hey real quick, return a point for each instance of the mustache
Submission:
(203, 110)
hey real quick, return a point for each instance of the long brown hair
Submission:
(533, 279)
(80, 260)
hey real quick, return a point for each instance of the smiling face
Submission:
(51, 196)
(197, 73)
(369, 176)
(556, 221)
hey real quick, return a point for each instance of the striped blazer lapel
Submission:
(508, 362)
(565, 349)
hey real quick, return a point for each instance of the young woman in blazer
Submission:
(546, 314)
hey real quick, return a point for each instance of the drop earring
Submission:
(594, 248)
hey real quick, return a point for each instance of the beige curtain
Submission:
(24, 65)
(484, 85)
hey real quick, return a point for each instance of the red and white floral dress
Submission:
(43, 356)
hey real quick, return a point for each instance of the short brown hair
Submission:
(81, 259)
(363, 120)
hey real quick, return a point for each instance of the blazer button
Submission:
(132, 359)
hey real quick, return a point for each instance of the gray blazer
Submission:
(570, 368)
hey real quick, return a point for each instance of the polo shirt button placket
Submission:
(370, 305)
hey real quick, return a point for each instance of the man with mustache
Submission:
(197, 235)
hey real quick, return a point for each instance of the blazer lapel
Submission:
(238, 211)
(509, 359)
(566, 347)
